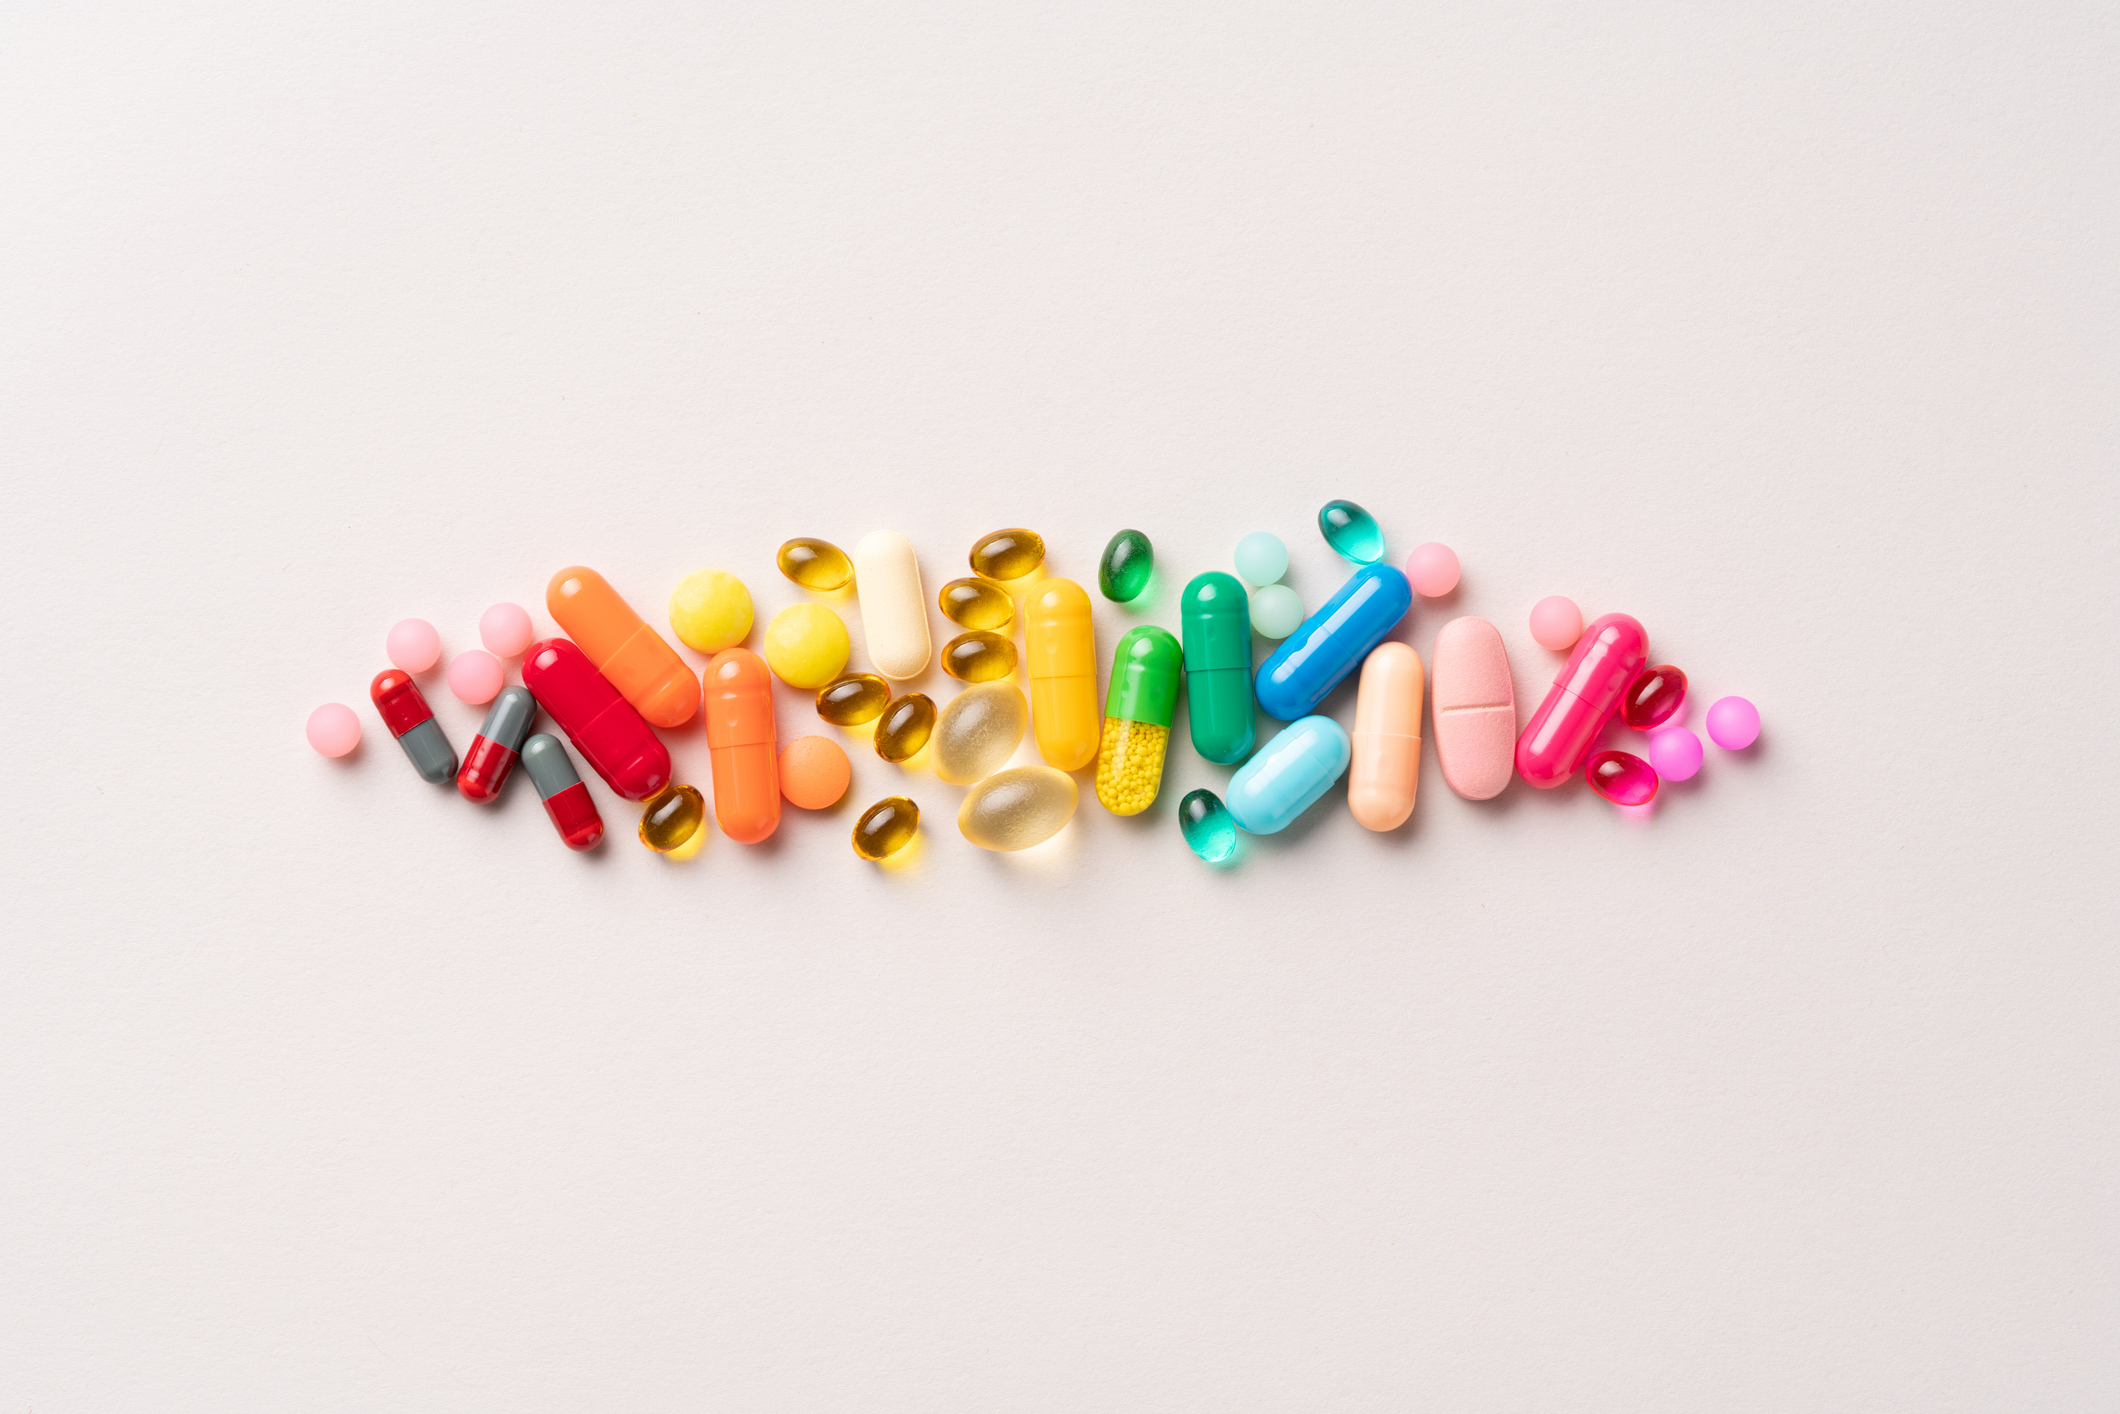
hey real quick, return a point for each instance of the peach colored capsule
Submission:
(1387, 737)
(1475, 709)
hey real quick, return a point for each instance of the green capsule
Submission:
(886, 827)
(1137, 713)
(1208, 826)
(979, 656)
(905, 727)
(977, 603)
(1352, 531)
(815, 564)
(1215, 618)
(854, 698)
(1008, 554)
(1123, 572)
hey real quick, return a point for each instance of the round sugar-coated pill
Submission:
(413, 645)
(806, 645)
(1675, 753)
(505, 630)
(1733, 723)
(1433, 569)
(1275, 611)
(1556, 623)
(814, 772)
(333, 729)
(1261, 558)
(475, 677)
(710, 611)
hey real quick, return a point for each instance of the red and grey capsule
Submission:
(411, 721)
(491, 757)
(560, 787)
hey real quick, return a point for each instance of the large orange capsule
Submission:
(740, 735)
(644, 669)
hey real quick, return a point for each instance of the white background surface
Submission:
(1789, 330)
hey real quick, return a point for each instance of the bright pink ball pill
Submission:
(505, 630)
(475, 677)
(1733, 723)
(1675, 753)
(1555, 622)
(334, 730)
(1433, 569)
(413, 645)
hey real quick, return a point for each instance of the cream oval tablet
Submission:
(1475, 709)
(1386, 737)
(893, 605)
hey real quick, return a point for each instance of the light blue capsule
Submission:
(1288, 774)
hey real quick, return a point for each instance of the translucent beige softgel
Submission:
(1017, 808)
(978, 732)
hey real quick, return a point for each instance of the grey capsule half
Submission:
(430, 753)
(508, 719)
(547, 762)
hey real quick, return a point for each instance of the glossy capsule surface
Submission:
(670, 818)
(853, 699)
(1653, 698)
(1288, 774)
(1561, 734)
(1622, 778)
(1352, 531)
(977, 603)
(1060, 660)
(978, 731)
(632, 656)
(739, 698)
(1386, 767)
(894, 622)
(1128, 562)
(567, 801)
(405, 711)
(1017, 808)
(1332, 642)
(886, 827)
(815, 564)
(979, 655)
(1137, 714)
(491, 758)
(603, 726)
(1008, 554)
(1209, 830)
(1214, 619)
(905, 727)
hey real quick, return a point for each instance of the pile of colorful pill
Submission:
(613, 680)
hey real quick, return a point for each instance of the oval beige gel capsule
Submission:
(1387, 737)
(1475, 709)
(893, 605)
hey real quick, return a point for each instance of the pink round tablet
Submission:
(1556, 623)
(1433, 569)
(475, 677)
(413, 645)
(505, 630)
(1733, 723)
(1675, 753)
(333, 729)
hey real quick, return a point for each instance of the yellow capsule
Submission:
(904, 727)
(979, 656)
(1130, 765)
(886, 827)
(852, 699)
(976, 603)
(671, 817)
(816, 564)
(1008, 554)
(1017, 808)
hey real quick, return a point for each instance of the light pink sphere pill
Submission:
(1675, 753)
(333, 729)
(475, 677)
(1433, 569)
(1733, 723)
(505, 630)
(413, 645)
(1556, 623)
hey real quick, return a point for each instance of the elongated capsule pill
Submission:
(1060, 657)
(1215, 619)
(893, 605)
(603, 726)
(1386, 744)
(1332, 642)
(397, 697)
(632, 656)
(1474, 706)
(567, 800)
(492, 755)
(1561, 734)
(739, 695)
(1287, 775)
(1137, 717)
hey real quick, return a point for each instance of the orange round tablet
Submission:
(814, 772)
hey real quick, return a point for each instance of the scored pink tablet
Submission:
(1475, 708)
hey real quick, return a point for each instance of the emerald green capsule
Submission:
(1352, 531)
(1208, 826)
(1215, 619)
(1123, 572)
(1137, 714)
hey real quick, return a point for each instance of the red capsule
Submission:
(491, 757)
(574, 816)
(1622, 779)
(603, 726)
(1653, 697)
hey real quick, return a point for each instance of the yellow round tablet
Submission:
(806, 645)
(711, 611)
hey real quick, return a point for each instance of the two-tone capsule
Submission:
(492, 755)
(1332, 642)
(1215, 621)
(566, 799)
(397, 697)
(603, 726)
(1137, 714)
(739, 691)
(1060, 660)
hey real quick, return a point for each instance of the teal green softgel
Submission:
(1209, 828)
(1352, 531)
(1123, 572)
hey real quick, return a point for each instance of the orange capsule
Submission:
(740, 735)
(644, 669)
(1387, 737)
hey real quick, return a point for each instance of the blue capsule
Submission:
(1288, 774)
(1352, 531)
(1208, 826)
(1332, 643)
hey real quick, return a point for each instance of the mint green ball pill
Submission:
(1276, 612)
(1261, 558)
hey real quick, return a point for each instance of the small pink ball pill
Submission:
(1433, 569)
(1675, 753)
(505, 630)
(475, 677)
(1733, 723)
(1556, 623)
(413, 645)
(334, 730)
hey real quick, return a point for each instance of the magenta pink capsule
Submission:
(1622, 779)
(1581, 700)
(1654, 695)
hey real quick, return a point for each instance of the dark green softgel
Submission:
(1352, 531)
(1208, 826)
(1124, 571)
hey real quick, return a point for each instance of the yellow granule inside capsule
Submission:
(1130, 765)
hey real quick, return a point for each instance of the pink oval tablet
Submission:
(1475, 708)
(413, 645)
(1556, 623)
(505, 630)
(333, 729)
(475, 677)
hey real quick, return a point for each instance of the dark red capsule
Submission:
(1622, 779)
(1653, 698)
